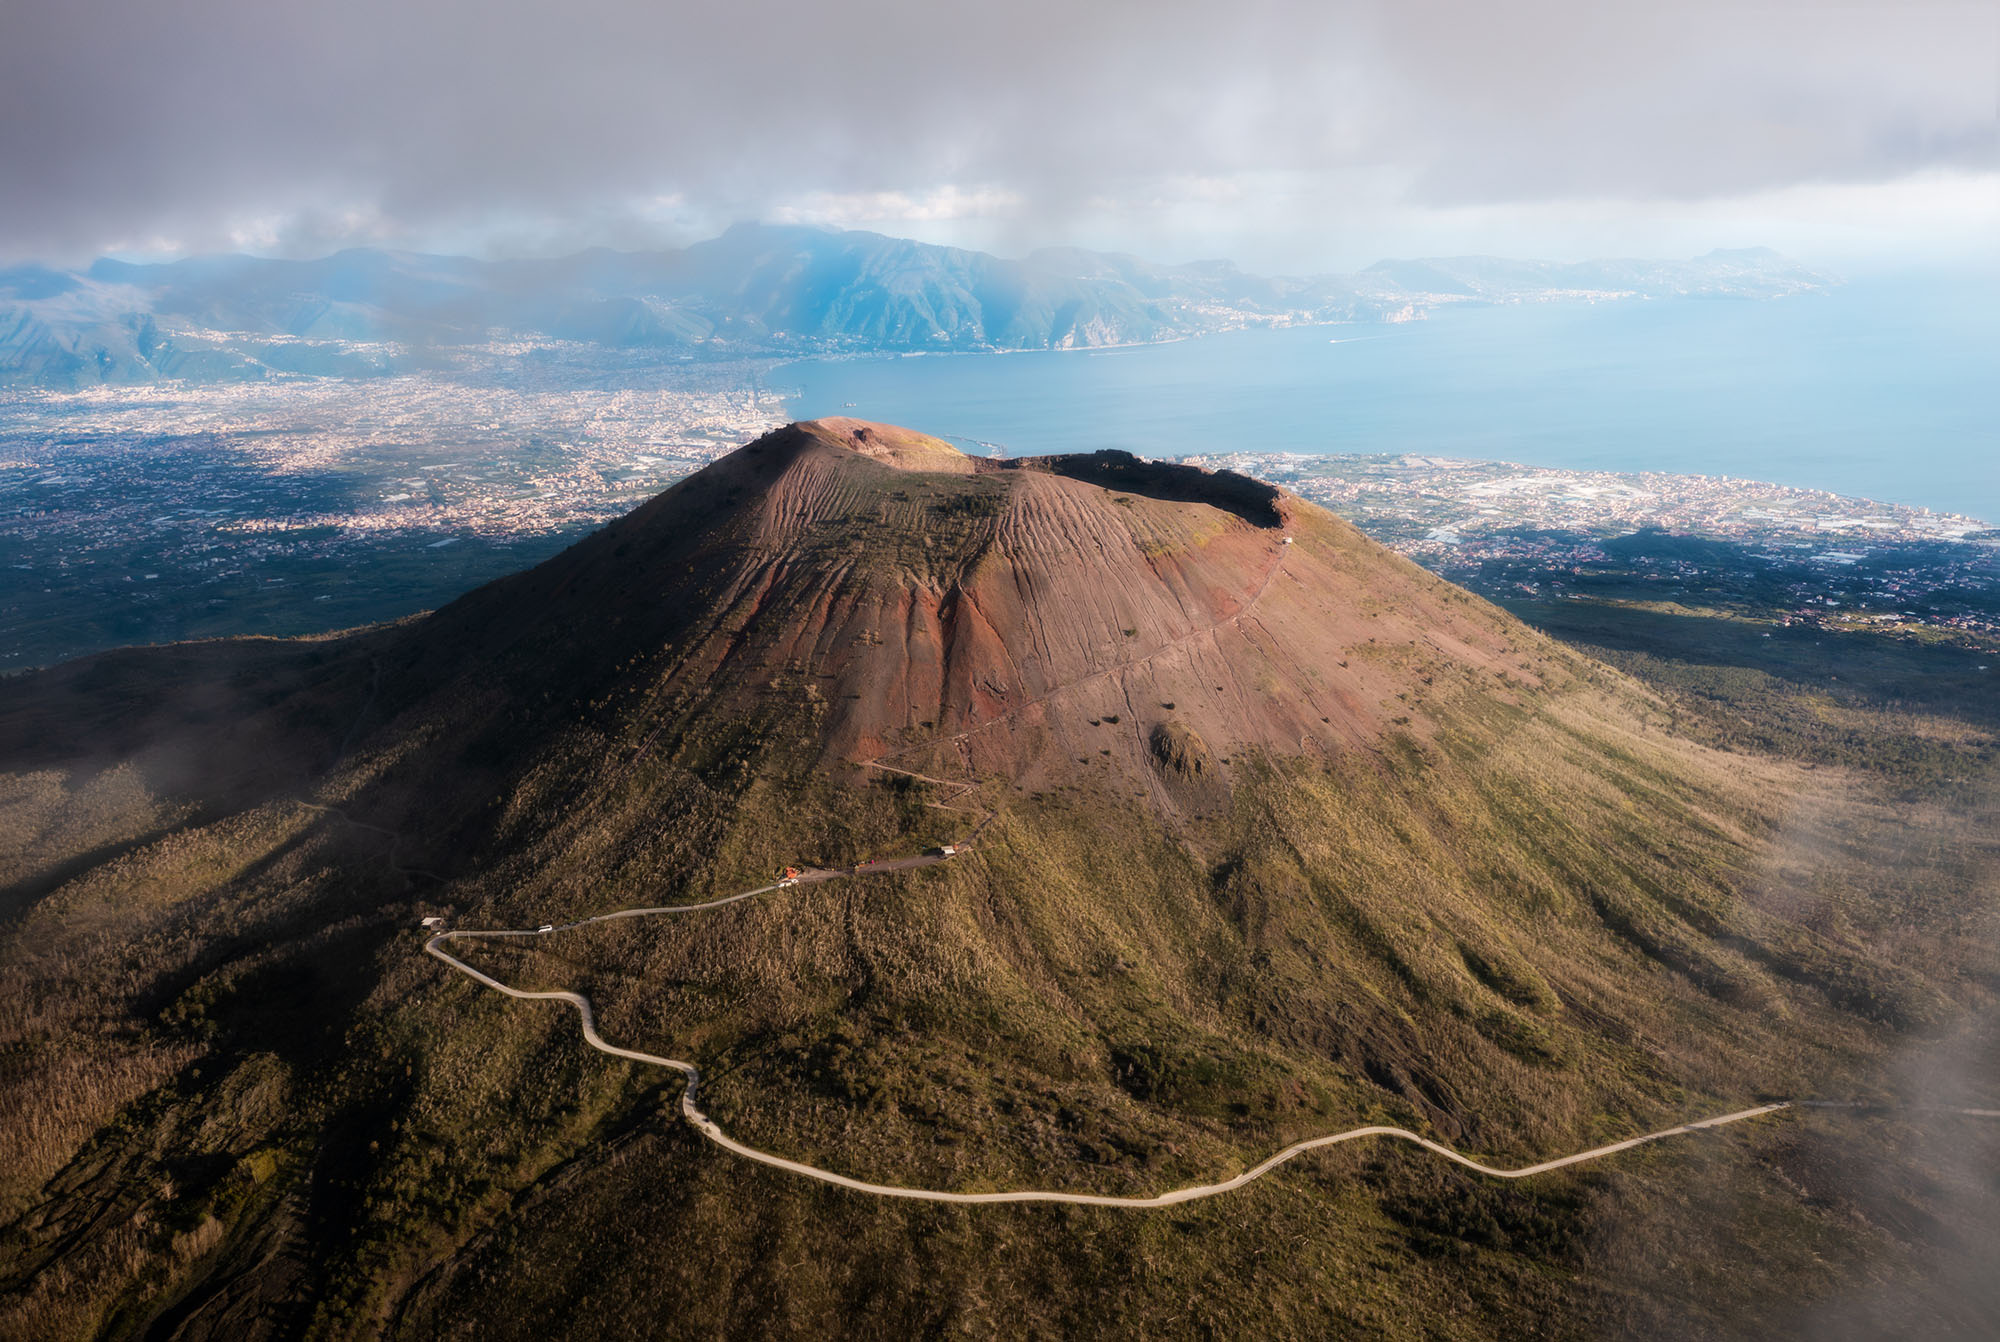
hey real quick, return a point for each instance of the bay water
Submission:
(1884, 388)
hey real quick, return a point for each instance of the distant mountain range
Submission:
(757, 289)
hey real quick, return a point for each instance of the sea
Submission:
(1886, 388)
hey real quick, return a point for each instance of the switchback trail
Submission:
(957, 790)
(395, 839)
(708, 1128)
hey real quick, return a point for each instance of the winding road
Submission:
(708, 1128)
(959, 788)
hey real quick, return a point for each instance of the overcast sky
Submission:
(1300, 136)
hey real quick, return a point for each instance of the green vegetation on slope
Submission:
(1526, 936)
(1526, 916)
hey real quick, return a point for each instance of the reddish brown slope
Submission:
(956, 615)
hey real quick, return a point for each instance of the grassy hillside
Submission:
(1504, 900)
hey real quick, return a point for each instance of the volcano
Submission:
(986, 618)
(1273, 833)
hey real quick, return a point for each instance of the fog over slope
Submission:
(1271, 834)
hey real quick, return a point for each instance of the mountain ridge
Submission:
(1287, 837)
(755, 289)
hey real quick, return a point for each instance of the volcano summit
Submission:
(1277, 835)
(1000, 618)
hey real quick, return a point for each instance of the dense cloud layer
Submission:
(299, 126)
